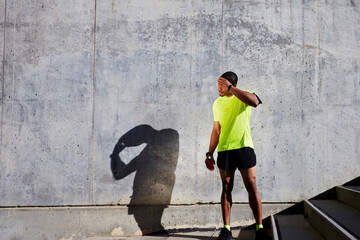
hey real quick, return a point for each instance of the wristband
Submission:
(229, 87)
(209, 153)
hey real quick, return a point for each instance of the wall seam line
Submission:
(93, 110)
(3, 86)
(222, 37)
(138, 205)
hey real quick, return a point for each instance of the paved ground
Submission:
(200, 235)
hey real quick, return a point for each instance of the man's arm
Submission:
(244, 96)
(214, 140)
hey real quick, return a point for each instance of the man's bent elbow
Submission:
(254, 104)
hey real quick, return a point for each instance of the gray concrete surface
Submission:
(117, 221)
(296, 227)
(198, 235)
(77, 76)
(345, 215)
(349, 195)
(326, 225)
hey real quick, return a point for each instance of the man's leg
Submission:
(227, 178)
(249, 178)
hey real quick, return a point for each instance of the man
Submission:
(231, 135)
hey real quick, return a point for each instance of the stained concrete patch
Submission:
(117, 232)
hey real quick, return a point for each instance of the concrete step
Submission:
(333, 219)
(295, 227)
(194, 235)
(349, 195)
(355, 188)
(245, 234)
(333, 214)
(348, 217)
(274, 231)
(354, 182)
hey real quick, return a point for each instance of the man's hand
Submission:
(223, 84)
(210, 162)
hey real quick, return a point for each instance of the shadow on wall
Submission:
(155, 173)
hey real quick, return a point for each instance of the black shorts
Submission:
(242, 158)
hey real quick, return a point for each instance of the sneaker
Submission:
(225, 234)
(261, 234)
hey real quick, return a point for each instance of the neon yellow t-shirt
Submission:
(234, 118)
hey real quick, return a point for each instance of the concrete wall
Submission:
(78, 76)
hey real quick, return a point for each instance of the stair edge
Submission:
(329, 221)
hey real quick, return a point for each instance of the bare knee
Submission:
(227, 187)
(250, 185)
(226, 192)
(227, 179)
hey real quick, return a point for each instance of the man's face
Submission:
(221, 91)
(223, 85)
